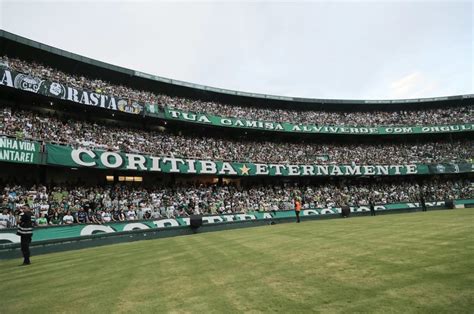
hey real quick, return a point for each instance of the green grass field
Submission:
(410, 263)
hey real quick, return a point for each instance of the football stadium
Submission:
(149, 194)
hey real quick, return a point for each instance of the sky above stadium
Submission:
(343, 50)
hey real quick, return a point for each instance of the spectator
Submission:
(4, 219)
(42, 221)
(131, 214)
(106, 216)
(68, 219)
(55, 218)
(81, 216)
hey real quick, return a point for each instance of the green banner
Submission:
(451, 168)
(95, 98)
(201, 118)
(81, 157)
(19, 151)
(77, 230)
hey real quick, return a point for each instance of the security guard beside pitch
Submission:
(25, 231)
(372, 207)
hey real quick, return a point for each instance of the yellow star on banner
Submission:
(244, 170)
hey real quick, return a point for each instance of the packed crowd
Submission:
(29, 125)
(341, 118)
(372, 118)
(79, 204)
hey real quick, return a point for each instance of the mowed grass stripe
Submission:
(413, 263)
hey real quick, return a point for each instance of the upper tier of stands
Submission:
(426, 116)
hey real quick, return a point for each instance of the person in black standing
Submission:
(25, 231)
(422, 202)
(372, 207)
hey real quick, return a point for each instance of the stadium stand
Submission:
(122, 202)
(428, 116)
(48, 128)
(61, 192)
